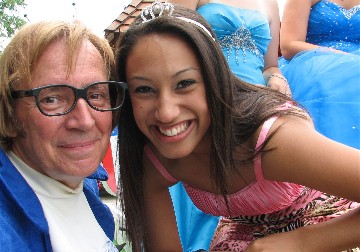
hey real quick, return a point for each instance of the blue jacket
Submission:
(23, 226)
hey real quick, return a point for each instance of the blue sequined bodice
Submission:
(244, 36)
(339, 29)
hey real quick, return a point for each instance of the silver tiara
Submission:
(157, 9)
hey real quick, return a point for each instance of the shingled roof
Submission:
(122, 22)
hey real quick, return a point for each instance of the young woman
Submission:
(242, 151)
(248, 32)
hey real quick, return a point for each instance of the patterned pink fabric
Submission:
(311, 207)
(262, 196)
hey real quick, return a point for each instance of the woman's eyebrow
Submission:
(185, 70)
(137, 78)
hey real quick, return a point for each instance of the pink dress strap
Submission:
(158, 165)
(262, 136)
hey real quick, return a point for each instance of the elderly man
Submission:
(56, 115)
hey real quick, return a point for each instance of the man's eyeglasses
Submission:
(60, 99)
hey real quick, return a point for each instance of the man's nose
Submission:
(81, 116)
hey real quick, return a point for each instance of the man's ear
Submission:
(13, 127)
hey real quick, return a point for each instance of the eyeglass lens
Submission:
(55, 100)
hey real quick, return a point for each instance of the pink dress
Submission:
(262, 208)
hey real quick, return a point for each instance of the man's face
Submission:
(70, 147)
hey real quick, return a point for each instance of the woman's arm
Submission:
(271, 72)
(294, 26)
(161, 227)
(303, 156)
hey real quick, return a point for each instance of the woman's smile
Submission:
(174, 131)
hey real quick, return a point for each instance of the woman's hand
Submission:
(279, 83)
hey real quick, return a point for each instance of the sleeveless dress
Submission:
(264, 207)
(327, 84)
(244, 36)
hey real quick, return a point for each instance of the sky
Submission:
(94, 13)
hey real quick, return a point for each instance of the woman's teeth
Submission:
(174, 131)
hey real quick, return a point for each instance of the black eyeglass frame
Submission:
(79, 93)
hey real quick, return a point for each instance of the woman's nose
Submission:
(167, 109)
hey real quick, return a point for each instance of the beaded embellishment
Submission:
(349, 13)
(240, 39)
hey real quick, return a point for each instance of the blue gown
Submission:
(327, 84)
(244, 36)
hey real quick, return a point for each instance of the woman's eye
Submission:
(143, 89)
(185, 84)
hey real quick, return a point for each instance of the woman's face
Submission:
(167, 92)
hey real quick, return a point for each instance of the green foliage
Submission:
(9, 18)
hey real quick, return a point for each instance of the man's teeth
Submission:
(175, 131)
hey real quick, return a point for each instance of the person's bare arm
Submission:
(294, 27)
(277, 81)
(271, 56)
(161, 227)
(303, 156)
